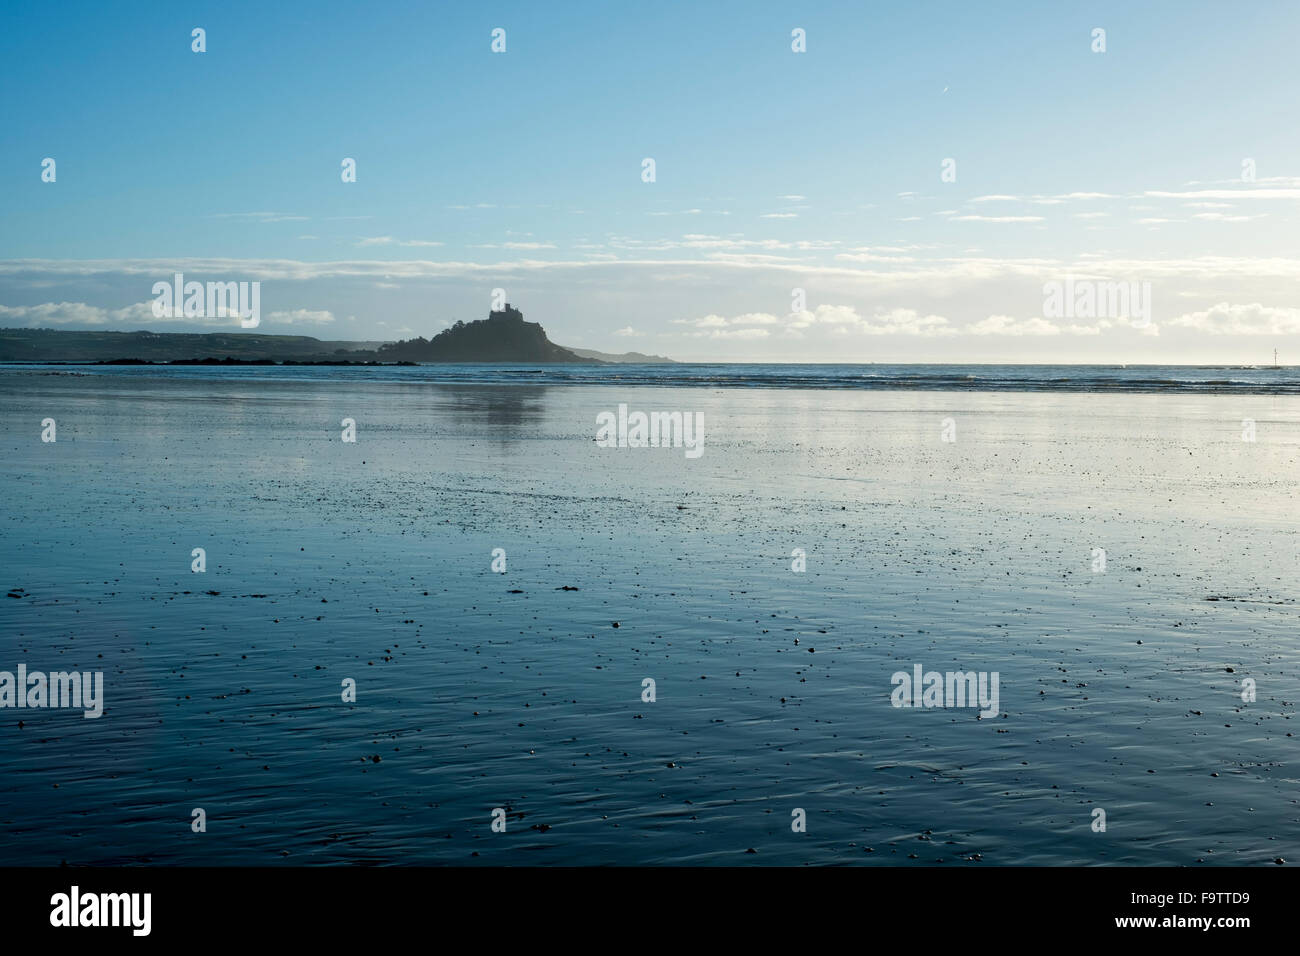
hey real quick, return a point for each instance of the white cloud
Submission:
(1253, 319)
(76, 313)
(259, 217)
(832, 315)
(906, 322)
(1006, 325)
(708, 321)
(139, 314)
(1224, 217)
(1245, 193)
(973, 218)
(835, 318)
(301, 317)
(1044, 200)
(390, 241)
(730, 334)
(1269, 276)
(872, 257)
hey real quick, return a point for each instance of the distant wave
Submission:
(1231, 379)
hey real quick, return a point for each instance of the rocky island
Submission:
(502, 337)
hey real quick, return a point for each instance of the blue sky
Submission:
(775, 171)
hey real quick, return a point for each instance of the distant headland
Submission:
(503, 337)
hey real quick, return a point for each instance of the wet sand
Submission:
(477, 690)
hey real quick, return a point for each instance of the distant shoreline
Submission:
(502, 337)
(234, 361)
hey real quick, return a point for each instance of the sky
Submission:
(911, 187)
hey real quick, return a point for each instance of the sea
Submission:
(1240, 379)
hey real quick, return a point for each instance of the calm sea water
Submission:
(328, 561)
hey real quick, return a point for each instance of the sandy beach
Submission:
(372, 561)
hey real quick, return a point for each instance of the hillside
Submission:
(623, 358)
(502, 337)
(52, 345)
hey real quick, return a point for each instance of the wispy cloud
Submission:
(1224, 217)
(1253, 319)
(1243, 193)
(1049, 200)
(259, 217)
(974, 218)
(392, 241)
(301, 317)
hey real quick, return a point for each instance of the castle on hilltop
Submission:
(509, 312)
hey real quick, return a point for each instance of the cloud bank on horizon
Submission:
(744, 182)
